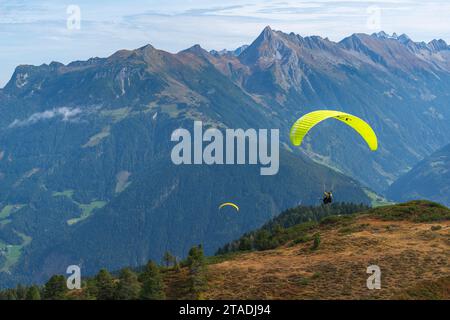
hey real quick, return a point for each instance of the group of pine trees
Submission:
(146, 284)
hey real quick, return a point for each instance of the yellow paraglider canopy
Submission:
(305, 123)
(229, 204)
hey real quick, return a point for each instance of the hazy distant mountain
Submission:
(235, 52)
(430, 179)
(85, 174)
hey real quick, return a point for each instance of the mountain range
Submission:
(85, 170)
(429, 179)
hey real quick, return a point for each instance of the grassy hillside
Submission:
(410, 243)
(292, 224)
(325, 257)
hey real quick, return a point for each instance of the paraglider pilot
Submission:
(327, 197)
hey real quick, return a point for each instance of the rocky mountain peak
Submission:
(267, 33)
(270, 46)
(438, 45)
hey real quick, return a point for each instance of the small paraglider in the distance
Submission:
(229, 204)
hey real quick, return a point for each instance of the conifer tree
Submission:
(128, 287)
(197, 272)
(55, 288)
(169, 259)
(152, 283)
(33, 293)
(104, 283)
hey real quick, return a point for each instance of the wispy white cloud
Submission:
(35, 32)
(66, 114)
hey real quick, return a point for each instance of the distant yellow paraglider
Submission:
(229, 204)
(308, 121)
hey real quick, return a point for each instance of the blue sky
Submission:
(36, 32)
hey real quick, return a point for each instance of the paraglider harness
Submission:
(327, 197)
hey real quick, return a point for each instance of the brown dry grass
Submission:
(408, 254)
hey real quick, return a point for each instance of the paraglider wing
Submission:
(230, 204)
(308, 121)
